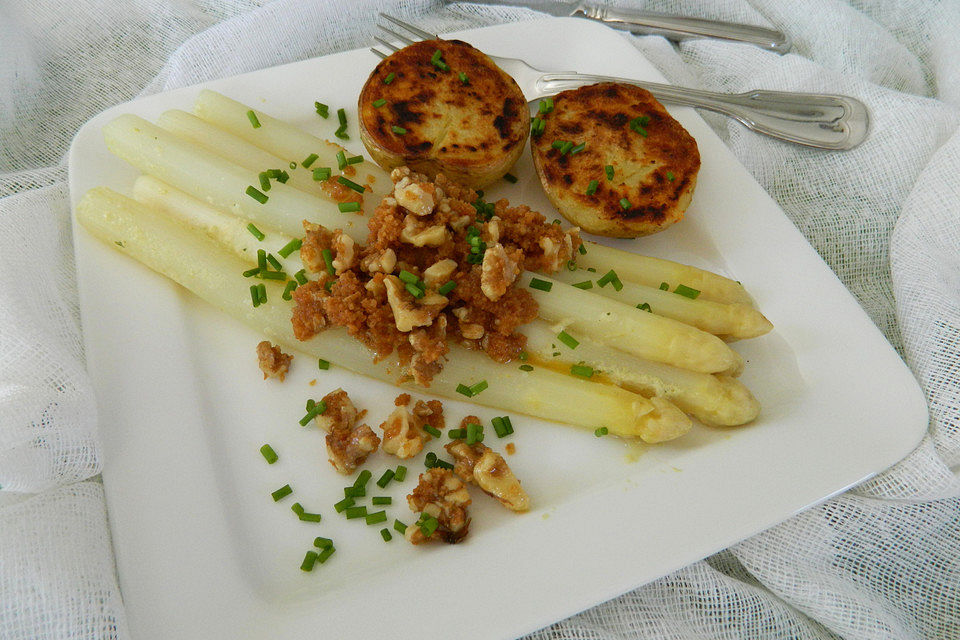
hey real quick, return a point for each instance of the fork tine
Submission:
(386, 44)
(378, 53)
(396, 35)
(409, 27)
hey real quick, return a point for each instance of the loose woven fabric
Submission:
(878, 562)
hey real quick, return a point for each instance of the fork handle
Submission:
(683, 27)
(814, 119)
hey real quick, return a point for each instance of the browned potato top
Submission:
(654, 170)
(473, 131)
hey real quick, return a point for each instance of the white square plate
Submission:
(204, 552)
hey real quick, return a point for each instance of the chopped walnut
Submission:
(439, 272)
(316, 239)
(478, 463)
(407, 314)
(556, 254)
(348, 444)
(441, 495)
(403, 433)
(415, 197)
(383, 262)
(492, 228)
(345, 252)
(498, 272)
(423, 235)
(273, 362)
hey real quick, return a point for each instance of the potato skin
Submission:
(600, 115)
(473, 132)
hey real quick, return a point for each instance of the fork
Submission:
(825, 121)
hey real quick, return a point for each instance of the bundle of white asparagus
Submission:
(189, 218)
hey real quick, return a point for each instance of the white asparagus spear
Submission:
(211, 272)
(642, 334)
(207, 176)
(730, 321)
(714, 400)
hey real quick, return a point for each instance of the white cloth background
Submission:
(882, 561)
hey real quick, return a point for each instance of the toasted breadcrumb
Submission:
(273, 362)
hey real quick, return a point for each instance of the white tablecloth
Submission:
(878, 562)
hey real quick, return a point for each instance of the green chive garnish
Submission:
(309, 160)
(322, 110)
(592, 187)
(379, 103)
(262, 293)
(350, 183)
(354, 492)
(268, 454)
(540, 285)
(509, 177)
(508, 424)
(306, 516)
(363, 478)
(399, 527)
(256, 233)
(536, 126)
(464, 389)
(546, 105)
(257, 195)
(297, 508)
(376, 517)
(381, 500)
(687, 292)
(389, 78)
(526, 367)
(290, 247)
(609, 171)
(414, 290)
(644, 307)
(281, 493)
(457, 434)
(348, 207)
(313, 412)
(252, 117)
(499, 427)
(446, 288)
(582, 370)
(354, 159)
(433, 431)
(274, 262)
(610, 277)
(670, 176)
(400, 474)
(323, 364)
(664, 286)
(568, 339)
(637, 125)
(273, 275)
(406, 276)
(602, 431)
(624, 204)
(436, 61)
(322, 173)
(474, 433)
(341, 159)
(346, 503)
(577, 149)
(398, 130)
(586, 284)
(355, 512)
(262, 259)
(322, 543)
(310, 559)
(301, 276)
(264, 180)
(477, 388)
(386, 535)
(292, 165)
(328, 260)
(342, 117)
(255, 295)
(326, 553)
(524, 356)
(288, 290)
(385, 479)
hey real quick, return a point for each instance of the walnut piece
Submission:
(439, 273)
(344, 248)
(348, 444)
(421, 235)
(273, 362)
(403, 433)
(478, 463)
(556, 254)
(383, 262)
(497, 272)
(443, 496)
(406, 313)
(415, 197)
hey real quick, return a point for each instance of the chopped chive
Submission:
(309, 160)
(311, 403)
(664, 286)
(386, 535)
(637, 125)
(414, 290)
(297, 508)
(556, 221)
(577, 149)
(323, 364)
(535, 125)
(624, 204)
(400, 474)
(355, 512)
(509, 177)
(478, 387)
(273, 275)
(268, 454)
(499, 427)
(309, 517)
(524, 355)
(346, 503)
(363, 478)
(328, 285)
(568, 339)
(670, 176)
(381, 500)
(582, 370)
(389, 78)
(262, 293)
(322, 543)
(354, 159)
(571, 265)
(610, 277)
(310, 559)
(540, 285)
(341, 132)
(644, 307)
(254, 120)
(292, 165)
(526, 367)
(546, 105)
(601, 431)
(284, 176)
(257, 195)
(586, 284)
(312, 413)
(354, 492)
(687, 292)
(328, 260)
(322, 173)
(379, 103)
(433, 431)
(428, 525)
(385, 478)
(288, 290)
(342, 117)
(406, 276)
(457, 434)
(350, 183)
(249, 273)
(447, 288)
(326, 553)
(255, 295)
(436, 61)
(508, 424)
(398, 130)
(430, 460)
(348, 207)
(274, 262)
(582, 249)
(281, 493)
(609, 171)
(322, 110)
(474, 433)
(290, 247)
(376, 517)
(273, 173)
(341, 160)
(399, 527)
(301, 276)
(264, 181)
(558, 144)
(592, 188)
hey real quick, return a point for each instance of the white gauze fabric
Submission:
(878, 562)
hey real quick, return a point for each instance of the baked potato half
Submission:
(441, 106)
(654, 160)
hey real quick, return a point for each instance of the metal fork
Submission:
(825, 121)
